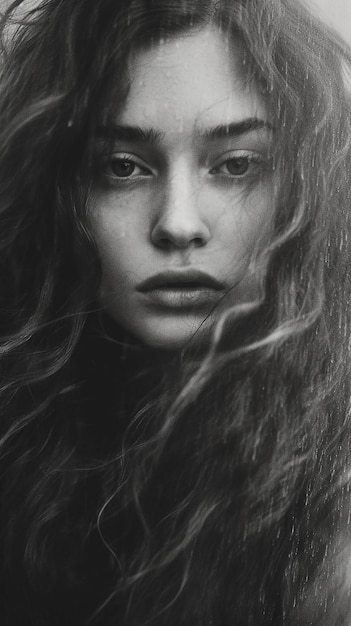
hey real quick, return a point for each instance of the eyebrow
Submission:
(136, 134)
(235, 129)
(129, 133)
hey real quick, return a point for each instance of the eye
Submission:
(124, 168)
(239, 165)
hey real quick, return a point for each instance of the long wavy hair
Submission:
(219, 498)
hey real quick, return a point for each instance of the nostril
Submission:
(165, 243)
(171, 233)
(180, 242)
(198, 242)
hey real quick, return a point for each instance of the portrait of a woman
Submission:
(175, 398)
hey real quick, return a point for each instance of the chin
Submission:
(174, 339)
(166, 333)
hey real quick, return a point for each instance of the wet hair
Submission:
(220, 498)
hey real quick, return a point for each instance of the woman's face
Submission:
(184, 201)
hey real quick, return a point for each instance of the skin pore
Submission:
(185, 201)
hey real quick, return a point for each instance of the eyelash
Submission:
(123, 158)
(244, 158)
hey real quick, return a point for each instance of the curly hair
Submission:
(216, 499)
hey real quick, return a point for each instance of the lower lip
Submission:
(184, 298)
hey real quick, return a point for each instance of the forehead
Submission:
(191, 81)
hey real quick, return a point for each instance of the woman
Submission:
(175, 349)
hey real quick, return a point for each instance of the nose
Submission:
(179, 222)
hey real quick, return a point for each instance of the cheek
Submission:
(115, 244)
(257, 222)
(116, 253)
(246, 221)
(119, 223)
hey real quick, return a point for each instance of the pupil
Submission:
(237, 166)
(122, 168)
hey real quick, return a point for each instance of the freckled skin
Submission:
(182, 206)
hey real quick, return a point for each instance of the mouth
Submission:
(179, 290)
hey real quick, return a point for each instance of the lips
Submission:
(182, 289)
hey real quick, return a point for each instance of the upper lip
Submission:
(180, 278)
